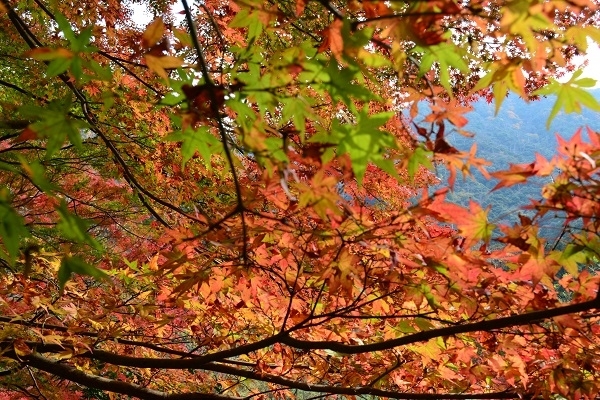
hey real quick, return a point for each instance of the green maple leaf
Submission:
(54, 123)
(571, 257)
(365, 142)
(75, 228)
(12, 228)
(200, 140)
(75, 265)
(570, 96)
(446, 55)
(419, 156)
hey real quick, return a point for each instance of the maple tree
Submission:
(239, 204)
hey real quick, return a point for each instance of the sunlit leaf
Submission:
(570, 96)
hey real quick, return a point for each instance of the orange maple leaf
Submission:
(516, 173)
(333, 40)
(452, 111)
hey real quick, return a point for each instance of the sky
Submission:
(593, 68)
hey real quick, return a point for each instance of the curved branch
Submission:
(200, 362)
(14, 124)
(20, 90)
(119, 62)
(500, 323)
(11, 371)
(64, 371)
(353, 391)
(58, 328)
(37, 361)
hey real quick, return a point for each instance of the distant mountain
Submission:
(514, 135)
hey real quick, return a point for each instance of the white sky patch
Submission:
(592, 70)
(141, 15)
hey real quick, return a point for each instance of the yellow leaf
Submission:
(46, 54)
(429, 350)
(578, 35)
(153, 264)
(567, 321)
(21, 348)
(64, 355)
(160, 64)
(153, 33)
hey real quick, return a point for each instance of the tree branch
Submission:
(64, 371)
(203, 66)
(352, 391)
(500, 323)
(206, 362)
(199, 362)
(60, 370)
(14, 124)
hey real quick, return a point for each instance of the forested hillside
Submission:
(514, 135)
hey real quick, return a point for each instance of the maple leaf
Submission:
(300, 5)
(71, 265)
(333, 40)
(452, 111)
(365, 143)
(447, 56)
(162, 63)
(522, 19)
(153, 33)
(27, 134)
(477, 225)
(570, 95)
(255, 217)
(537, 268)
(516, 174)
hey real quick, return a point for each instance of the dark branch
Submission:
(201, 361)
(500, 323)
(16, 124)
(214, 105)
(64, 371)
(97, 382)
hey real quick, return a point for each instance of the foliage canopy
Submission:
(238, 204)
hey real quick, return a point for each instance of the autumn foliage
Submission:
(239, 200)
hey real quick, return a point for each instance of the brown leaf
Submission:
(441, 146)
(375, 9)
(516, 173)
